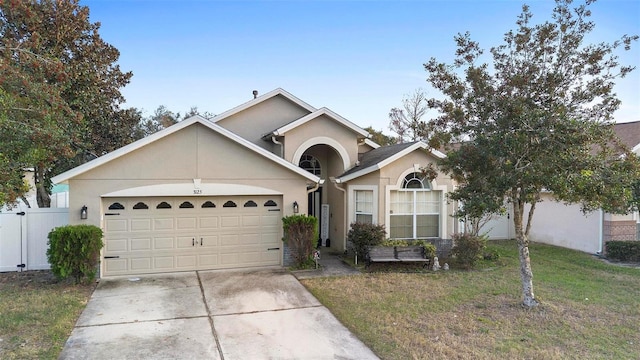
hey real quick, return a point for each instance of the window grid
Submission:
(364, 206)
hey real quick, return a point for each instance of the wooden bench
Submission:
(396, 254)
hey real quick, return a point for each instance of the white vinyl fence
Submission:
(23, 237)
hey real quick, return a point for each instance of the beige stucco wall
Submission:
(297, 139)
(195, 152)
(565, 225)
(388, 178)
(263, 118)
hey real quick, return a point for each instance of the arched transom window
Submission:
(311, 164)
(415, 209)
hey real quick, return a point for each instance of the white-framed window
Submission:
(414, 209)
(364, 206)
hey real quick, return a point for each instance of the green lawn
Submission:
(37, 314)
(589, 309)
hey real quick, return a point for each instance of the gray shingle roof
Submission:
(629, 133)
(377, 155)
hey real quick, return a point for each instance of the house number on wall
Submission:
(197, 191)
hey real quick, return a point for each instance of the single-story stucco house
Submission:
(564, 225)
(211, 193)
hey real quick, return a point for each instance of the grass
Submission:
(589, 309)
(37, 314)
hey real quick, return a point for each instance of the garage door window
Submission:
(250, 203)
(163, 205)
(229, 204)
(208, 204)
(186, 205)
(270, 203)
(140, 206)
(116, 206)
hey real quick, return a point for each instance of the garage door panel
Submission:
(190, 223)
(208, 260)
(209, 222)
(116, 245)
(143, 244)
(140, 224)
(116, 266)
(247, 239)
(163, 224)
(269, 239)
(209, 241)
(116, 225)
(186, 261)
(163, 263)
(152, 239)
(251, 220)
(163, 243)
(141, 264)
(186, 242)
(229, 239)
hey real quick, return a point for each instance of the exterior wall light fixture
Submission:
(296, 208)
(83, 212)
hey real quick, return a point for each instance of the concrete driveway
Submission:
(262, 314)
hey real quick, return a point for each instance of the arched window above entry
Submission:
(116, 206)
(416, 181)
(311, 164)
(140, 206)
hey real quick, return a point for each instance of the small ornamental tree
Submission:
(74, 250)
(300, 234)
(538, 118)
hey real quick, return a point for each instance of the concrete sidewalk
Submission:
(262, 314)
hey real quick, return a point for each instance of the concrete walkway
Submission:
(330, 265)
(261, 314)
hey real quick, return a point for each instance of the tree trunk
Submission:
(42, 193)
(526, 275)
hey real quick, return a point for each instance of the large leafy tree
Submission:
(537, 119)
(64, 82)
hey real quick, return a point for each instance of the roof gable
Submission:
(64, 177)
(382, 156)
(316, 114)
(260, 99)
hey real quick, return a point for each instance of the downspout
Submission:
(600, 235)
(273, 138)
(315, 187)
(344, 206)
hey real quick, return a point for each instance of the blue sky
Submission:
(358, 58)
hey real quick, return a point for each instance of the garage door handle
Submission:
(200, 241)
(273, 249)
(193, 241)
(112, 257)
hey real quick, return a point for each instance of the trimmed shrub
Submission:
(467, 249)
(300, 234)
(74, 250)
(362, 235)
(623, 250)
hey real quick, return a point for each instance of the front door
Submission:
(314, 207)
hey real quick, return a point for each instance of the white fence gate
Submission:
(23, 237)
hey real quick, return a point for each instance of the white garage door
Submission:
(162, 234)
